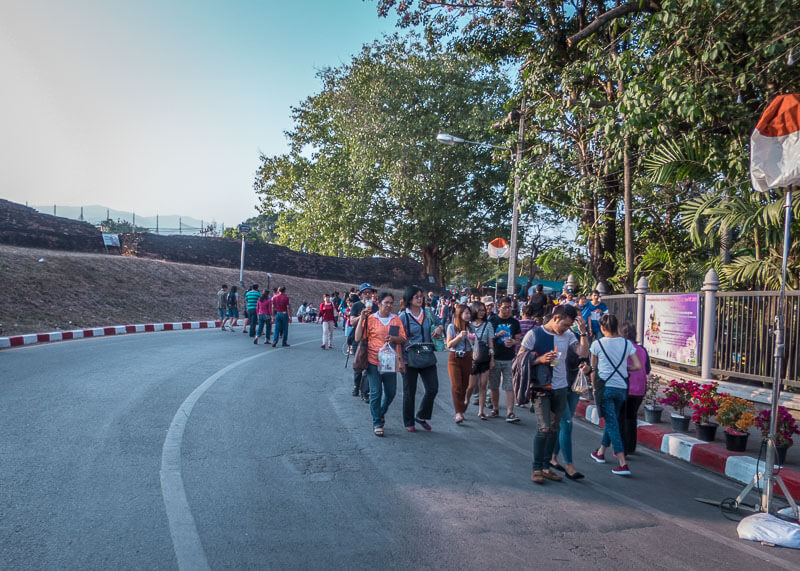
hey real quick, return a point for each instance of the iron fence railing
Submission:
(623, 306)
(745, 339)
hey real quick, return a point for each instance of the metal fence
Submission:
(744, 339)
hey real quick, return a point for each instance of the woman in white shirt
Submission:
(610, 356)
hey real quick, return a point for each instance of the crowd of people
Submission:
(540, 350)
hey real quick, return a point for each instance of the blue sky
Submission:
(160, 106)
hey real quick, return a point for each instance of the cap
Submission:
(364, 286)
(487, 299)
(570, 290)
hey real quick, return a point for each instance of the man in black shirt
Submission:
(360, 381)
(538, 301)
(507, 332)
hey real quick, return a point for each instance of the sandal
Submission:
(511, 417)
(423, 423)
(482, 416)
(495, 413)
(378, 431)
(411, 428)
(459, 418)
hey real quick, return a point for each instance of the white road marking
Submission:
(185, 538)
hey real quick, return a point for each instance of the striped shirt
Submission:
(251, 297)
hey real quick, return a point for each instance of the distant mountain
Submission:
(95, 214)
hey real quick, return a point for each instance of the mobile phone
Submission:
(394, 330)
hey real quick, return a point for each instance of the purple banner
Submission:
(672, 326)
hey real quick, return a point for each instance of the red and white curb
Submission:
(710, 455)
(34, 338)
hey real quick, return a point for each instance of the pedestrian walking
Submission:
(610, 355)
(328, 316)
(360, 380)
(481, 336)
(232, 303)
(637, 387)
(549, 347)
(459, 362)
(419, 356)
(251, 299)
(507, 336)
(379, 329)
(222, 306)
(264, 312)
(282, 309)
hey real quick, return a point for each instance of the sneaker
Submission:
(621, 470)
(330, 346)
(323, 346)
(356, 392)
(511, 417)
(597, 458)
(550, 475)
(537, 477)
(255, 341)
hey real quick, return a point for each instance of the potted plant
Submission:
(784, 430)
(652, 412)
(736, 416)
(678, 395)
(704, 407)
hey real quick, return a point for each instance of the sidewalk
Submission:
(739, 466)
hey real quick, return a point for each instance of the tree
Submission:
(365, 174)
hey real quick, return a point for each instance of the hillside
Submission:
(69, 290)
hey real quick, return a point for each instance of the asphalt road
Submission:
(198, 449)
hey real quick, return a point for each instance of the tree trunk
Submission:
(628, 219)
(431, 260)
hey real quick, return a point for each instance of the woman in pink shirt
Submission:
(264, 312)
(327, 315)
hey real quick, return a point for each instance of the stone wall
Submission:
(23, 226)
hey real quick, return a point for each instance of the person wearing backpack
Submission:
(419, 354)
(232, 303)
(610, 355)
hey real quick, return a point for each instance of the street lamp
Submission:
(451, 140)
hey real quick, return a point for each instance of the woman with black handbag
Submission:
(482, 338)
(419, 354)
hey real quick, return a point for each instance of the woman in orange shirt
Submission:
(378, 329)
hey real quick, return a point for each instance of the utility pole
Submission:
(627, 183)
(512, 254)
(156, 224)
(180, 225)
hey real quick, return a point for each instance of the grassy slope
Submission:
(70, 290)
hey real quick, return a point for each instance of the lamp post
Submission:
(451, 140)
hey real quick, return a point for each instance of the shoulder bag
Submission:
(420, 355)
(480, 353)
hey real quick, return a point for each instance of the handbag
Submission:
(360, 359)
(420, 355)
(581, 385)
(480, 352)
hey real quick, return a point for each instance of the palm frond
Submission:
(672, 162)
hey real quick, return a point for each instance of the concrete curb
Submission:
(710, 455)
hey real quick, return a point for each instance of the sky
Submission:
(160, 106)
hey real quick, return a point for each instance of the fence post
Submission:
(642, 287)
(570, 283)
(601, 289)
(710, 287)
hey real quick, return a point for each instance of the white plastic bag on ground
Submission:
(770, 529)
(387, 359)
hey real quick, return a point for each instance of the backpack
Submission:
(231, 300)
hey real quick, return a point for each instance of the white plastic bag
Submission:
(387, 359)
(581, 385)
(770, 529)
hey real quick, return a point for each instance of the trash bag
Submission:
(770, 529)
(387, 359)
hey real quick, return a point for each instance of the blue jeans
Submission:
(222, 313)
(264, 322)
(281, 328)
(613, 399)
(380, 385)
(253, 317)
(564, 442)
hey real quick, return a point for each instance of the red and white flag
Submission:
(498, 248)
(775, 145)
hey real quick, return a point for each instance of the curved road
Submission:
(197, 449)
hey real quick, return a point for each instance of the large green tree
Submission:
(366, 176)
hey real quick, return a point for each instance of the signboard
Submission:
(111, 239)
(244, 228)
(671, 327)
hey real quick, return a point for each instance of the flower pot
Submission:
(653, 414)
(736, 442)
(679, 422)
(780, 455)
(706, 431)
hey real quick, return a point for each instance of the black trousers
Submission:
(628, 418)
(360, 380)
(430, 380)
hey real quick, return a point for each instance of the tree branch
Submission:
(623, 9)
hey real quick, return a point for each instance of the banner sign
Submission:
(111, 239)
(672, 327)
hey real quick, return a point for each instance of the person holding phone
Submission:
(377, 330)
(459, 364)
